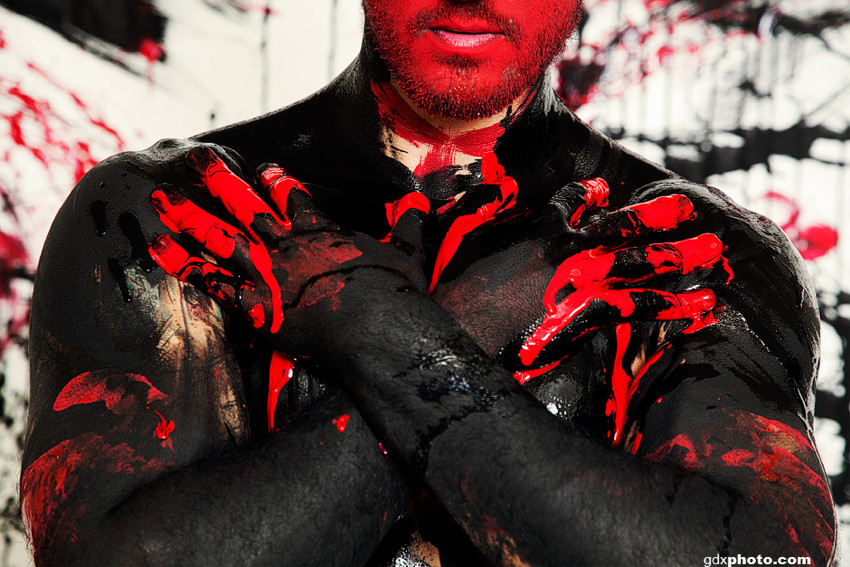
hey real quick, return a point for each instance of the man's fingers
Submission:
(252, 213)
(599, 266)
(183, 216)
(203, 274)
(293, 201)
(593, 308)
(405, 218)
(577, 198)
(662, 213)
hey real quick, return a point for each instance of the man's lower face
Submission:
(468, 59)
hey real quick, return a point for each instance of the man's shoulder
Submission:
(762, 281)
(97, 288)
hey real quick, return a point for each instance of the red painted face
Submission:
(468, 58)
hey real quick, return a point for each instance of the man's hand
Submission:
(611, 283)
(283, 265)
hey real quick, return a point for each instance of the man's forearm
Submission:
(285, 502)
(523, 483)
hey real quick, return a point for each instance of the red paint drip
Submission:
(341, 422)
(383, 451)
(281, 370)
(523, 376)
(493, 174)
(396, 209)
(152, 51)
(636, 443)
(623, 385)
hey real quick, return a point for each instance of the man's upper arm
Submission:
(733, 401)
(131, 375)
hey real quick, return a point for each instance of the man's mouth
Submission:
(465, 33)
(465, 39)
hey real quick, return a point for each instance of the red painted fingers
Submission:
(593, 308)
(201, 273)
(600, 267)
(183, 216)
(660, 214)
(250, 211)
(280, 186)
(493, 174)
(577, 198)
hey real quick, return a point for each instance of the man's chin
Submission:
(461, 100)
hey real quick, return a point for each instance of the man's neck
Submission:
(426, 143)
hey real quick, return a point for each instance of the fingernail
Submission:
(268, 173)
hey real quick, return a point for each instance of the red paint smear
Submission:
(110, 389)
(50, 503)
(13, 259)
(396, 209)
(442, 147)
(281, 370)
(257, 315)
(687, 456)
(493, 174)
(623, 386)
(243, 204)
(341, 422)
(772, 426)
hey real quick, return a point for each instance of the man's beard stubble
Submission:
(466, 98)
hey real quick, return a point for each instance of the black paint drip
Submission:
(98, 216)
(131, 228)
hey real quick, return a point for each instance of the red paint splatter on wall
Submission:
(812, 241)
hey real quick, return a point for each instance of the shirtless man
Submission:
(479, 333)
